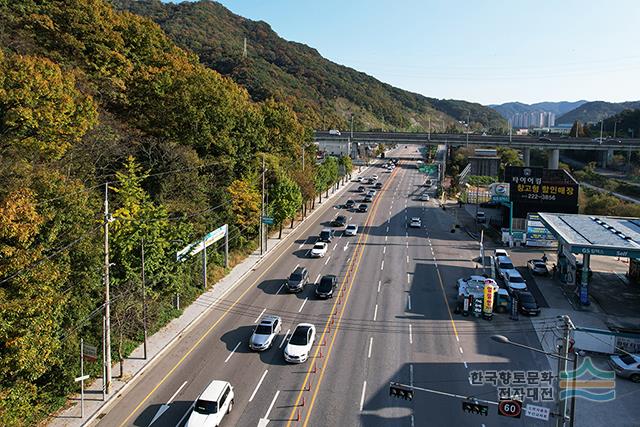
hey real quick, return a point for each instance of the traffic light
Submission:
(475, 408)
(401, 391)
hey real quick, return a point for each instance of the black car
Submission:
(490, 204)
(378, 185)
(367, 198)
(361, 189)
(297, 279)
(326, 235)
(363, 208)
(527, 303)
(350, 204)
(327, 284)
(339, 221)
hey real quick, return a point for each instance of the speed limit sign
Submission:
(510, 408)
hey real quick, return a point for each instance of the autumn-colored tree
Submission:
(245, 205)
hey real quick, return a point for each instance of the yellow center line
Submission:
(337, 326)
(224, 314)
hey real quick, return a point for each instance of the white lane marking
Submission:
(412, 422)
(461, 352)
(335, 246)
(406, 234)
(465, 365)
(258, 386)
(284, 338)
(263, 310)
(409, 301)
(407, 245)
(408, 278)
(379, 283)
(350, 218)
(470, 380)
(384, 250)
(301, 245)
(382, 265)
(370, 346)
(375, 313)
(303, 303)
(327, 261)
(364, 388)
(411, 375)
(385, 238)
(457, 339)
(176, 393)
(298, 265)
(280, 288)
(345, 247)
(410, 335)
(387, 228)
(435, 263)
(232, 351)
(407, 259)
(273, 402)
(317, 279)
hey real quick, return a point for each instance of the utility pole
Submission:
(468, 126)
(352, 126)
(510, 129)
(429, 137)
(144, 302)
(262, 209)
(244, 49)
(107, 302)
(563, 352)
(615, 127)
(601, 125)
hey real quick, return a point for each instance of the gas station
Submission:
(589, 235)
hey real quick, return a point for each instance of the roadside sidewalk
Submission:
(158, 343)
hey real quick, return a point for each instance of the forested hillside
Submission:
(92, 98)
(595, 111)
(509, 109)
(323, 93)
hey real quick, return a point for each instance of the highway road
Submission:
(391, 321)
(515, 141)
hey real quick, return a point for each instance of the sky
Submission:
(486, 51)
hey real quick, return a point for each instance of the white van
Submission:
(212, 405)
(514, 281)
(334, 132)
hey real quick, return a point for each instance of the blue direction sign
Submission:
(267, 220)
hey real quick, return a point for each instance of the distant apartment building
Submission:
(533, 119)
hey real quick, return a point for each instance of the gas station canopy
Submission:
(595, 235)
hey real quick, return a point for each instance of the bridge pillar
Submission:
(606, 157)
(554, 158)
(526, 156)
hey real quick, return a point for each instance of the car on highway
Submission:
(537, 266)
(361, 189)
(319, 250)
(598, 140)
(611, 139)
(415, 222)
(424, 197)
(374, 177)
(350, 204)
(503, 263)
(527, 303)
(514, 281)
(378, 185)
(351, 229)
(481, 217)
(363, 208)
(300, 343)
(500, 252)
(264, 334)
(297, 279)
(367, 198)
(544, 139)
(326, 235)
(334, 132)
(359, 179)
(626, 366)
(215, 402)
(327, 284)
(339, 221)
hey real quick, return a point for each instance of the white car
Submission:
(351, 230)
(375, 177)
(299, 345)
(514, 281)
(500, 252)
(359, 179)
(319, 250)
(424, 197)
(415, 222)
(212, 405)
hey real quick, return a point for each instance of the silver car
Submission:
(537, 266)
(626, 366)
(264, 334)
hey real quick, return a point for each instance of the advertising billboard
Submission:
(537, 233)
(533, 189)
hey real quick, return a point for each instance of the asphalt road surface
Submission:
(391, 320)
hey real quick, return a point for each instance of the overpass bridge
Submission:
(522, 142)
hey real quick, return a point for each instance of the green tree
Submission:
(286, 200)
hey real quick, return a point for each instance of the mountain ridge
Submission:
(595, 111)
(324, 94)
(509, 109)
